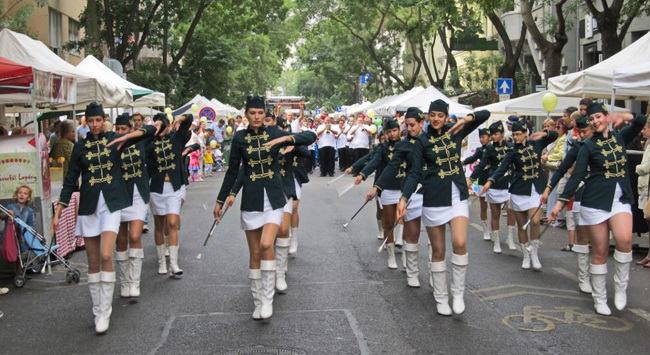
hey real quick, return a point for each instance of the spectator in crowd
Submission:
(643, 170)
(82, 128)
(62, 148)
(327, 133)
(342, 144)
(583, 105)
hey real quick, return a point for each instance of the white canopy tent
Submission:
(597, 81)
(24, 50)
(387, 108)
(155, 99)
(224, 110)
(632, 77)
(357, 108)
(201, 102)
(423, 99)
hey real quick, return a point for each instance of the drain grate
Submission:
(264, 350)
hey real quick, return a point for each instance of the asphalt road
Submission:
(342, 299)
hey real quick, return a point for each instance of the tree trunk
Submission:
(92, 28)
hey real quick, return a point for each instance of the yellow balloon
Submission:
(549, 101)
(373, 129)
(229, 130)
(168, 111)
(204, 119)
(195, 108)
(371, 113)
(213, 144)
(170, 118)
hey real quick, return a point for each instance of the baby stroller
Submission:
(38, 254)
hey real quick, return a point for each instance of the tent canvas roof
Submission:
(597, 81)
(423, 99)
(93, 66)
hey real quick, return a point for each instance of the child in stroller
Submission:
(20, 209)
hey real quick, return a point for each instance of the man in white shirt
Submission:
(327, 133)
(359, 138)
(342, 144)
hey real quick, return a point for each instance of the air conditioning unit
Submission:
(114, 65)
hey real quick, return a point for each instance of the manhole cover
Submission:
(264, 350)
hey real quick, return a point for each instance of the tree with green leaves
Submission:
(16, 13)
(614, 18)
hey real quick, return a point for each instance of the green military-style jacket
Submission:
(287, 168)
(260, 165)
(358, 165)
(566, 164)
(604, 160)
(492, 156)
(383, 154)
(439, 151)
(134, 172)
(299, 172)
(100, 172)
(398, 166)
(165, 157)
(524, 161)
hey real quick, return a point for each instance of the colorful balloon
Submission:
(204, 119)
(549, 101)
(373, 129)
(195, 108)
(371, 113)
(228, 130)
(168, 111)
(378, 122)
(213, 144)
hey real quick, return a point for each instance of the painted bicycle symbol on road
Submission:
(536, 319)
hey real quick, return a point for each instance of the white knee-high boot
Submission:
(440, 293)
(282, 246)
(621, 277)
(94, 286)
(512, 234)
(486, 230)
(173, 261)
(122, 271)
(525, 264)
(390, 249)
(162, 261)
(582, 258)
(135, 270)
(458, 271)
(381, 230)
(268, 268)
(534, 255)
(399, 235)
(107, 286)
(412, 270)
(255, 275)
(599, 288)
(497, 243)
(293, 248)
(429, 258)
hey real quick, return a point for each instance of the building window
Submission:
(55, 29)
(73, 34)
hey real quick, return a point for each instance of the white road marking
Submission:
(565, 272)
(641, 313)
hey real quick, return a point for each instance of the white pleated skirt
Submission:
(437, 216)
(523, 202)
(497, 195)
(102, 220)
(137, 211)
(480, 188)
(390, 197)
(169, 202)
(591, 216)
(288, 207)
(251, 220)
(414, 208)
(298, 189)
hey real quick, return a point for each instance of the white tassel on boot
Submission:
(107, 287)
(599, 288)
(173, 261)
(135, 270)
(94, 286)
(122, 270)
(268, 268)
(582, 258)
(380, 227)
(621, 277)
(282, 262)
(293, 248)
(486, 231)
(162, 261)
(255, 275)
(497, 243)
(534, 255)
(512, 234)
(390, 249)
(410, 254)
(525, 264)
(440, 294)
(399, 235)
(458, 272)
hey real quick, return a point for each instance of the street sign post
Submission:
(504, 86)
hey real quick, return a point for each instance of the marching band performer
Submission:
(355, 168)
(102, 195)
(390, 196)
(129, 253)
(445, 198)
(393, 177)
(606, 200)
(165, 155)
(581, 247)
(300, 177)
(255, 150)
(524, 161)
(484, 138)
(497, 194)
